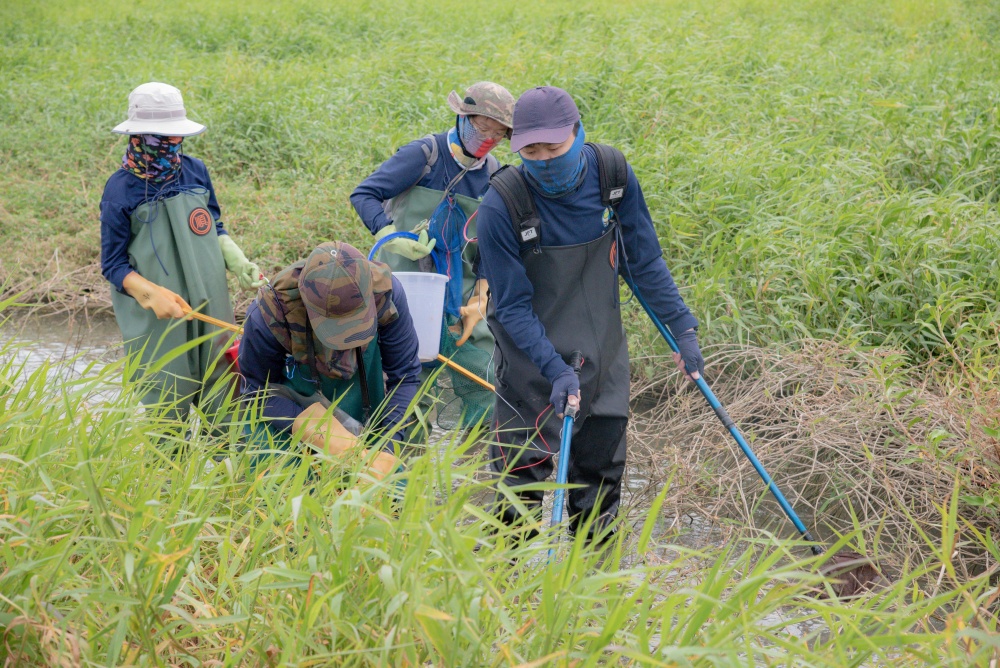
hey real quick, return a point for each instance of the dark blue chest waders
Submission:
(576, 300)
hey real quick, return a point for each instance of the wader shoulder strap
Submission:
(366, 401)
(520, 206)
(613, 170)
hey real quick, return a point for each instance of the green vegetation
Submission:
(814, 168)
(817, 170)
(113, 553)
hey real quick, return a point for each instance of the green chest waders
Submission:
(174, 244)
(345, 392)
(409, 209)
(470, 402)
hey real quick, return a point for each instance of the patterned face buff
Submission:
(475, 143)
(155, 158)
(463, 138)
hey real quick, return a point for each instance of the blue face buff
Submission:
(557, 176)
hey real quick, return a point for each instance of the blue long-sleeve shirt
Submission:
(262, 360)
(403, 171)
(123, 194)
(575, 218)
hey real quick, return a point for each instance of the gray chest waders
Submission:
(174, 244)
(576, 300)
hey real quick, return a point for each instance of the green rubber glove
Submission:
(408, 248)
(247, 273)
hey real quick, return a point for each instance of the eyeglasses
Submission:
(490, 134)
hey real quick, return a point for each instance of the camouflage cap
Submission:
(485, 99)
(336, 287)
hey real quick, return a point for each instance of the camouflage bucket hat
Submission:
(337, 287)
(485, 99)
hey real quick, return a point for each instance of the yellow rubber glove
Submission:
(408, 248)
(474, 311)
(161, 301)
(325, 432)
(247, 273)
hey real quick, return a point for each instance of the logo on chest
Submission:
(200, 221)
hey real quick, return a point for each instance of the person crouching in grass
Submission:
(333, 328)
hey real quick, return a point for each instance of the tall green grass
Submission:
(114, 552)
(814, 169)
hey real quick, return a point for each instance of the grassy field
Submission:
(816, 170)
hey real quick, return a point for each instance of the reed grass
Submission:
(118, 548)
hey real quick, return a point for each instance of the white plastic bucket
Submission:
(425, 297)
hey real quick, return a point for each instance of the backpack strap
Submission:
(520, 206)
(429, 146)
(611, 166)
(613, 169)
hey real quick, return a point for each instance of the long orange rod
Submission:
(465, 372)
(213, 321)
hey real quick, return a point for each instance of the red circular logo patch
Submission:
(200, 221)
(613, 256)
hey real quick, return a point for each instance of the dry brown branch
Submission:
(836, 437)
(80, 292)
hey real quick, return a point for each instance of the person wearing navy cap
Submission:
(554, 289)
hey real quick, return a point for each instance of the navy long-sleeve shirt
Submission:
(403, 171)
(262, 360)
(575, 218)
(123, 194)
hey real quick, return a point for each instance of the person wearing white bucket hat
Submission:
(164, 249)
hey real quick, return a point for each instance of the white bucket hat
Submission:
(157, 109)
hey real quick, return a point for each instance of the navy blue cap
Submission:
(543, 115)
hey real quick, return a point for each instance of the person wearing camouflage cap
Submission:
(327, 328)
(433, 186)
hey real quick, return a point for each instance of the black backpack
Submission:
(613, 170)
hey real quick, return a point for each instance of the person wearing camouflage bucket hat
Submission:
(432, 186)
(331, 324)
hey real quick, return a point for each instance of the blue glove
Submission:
(690, 354)
(565, 384)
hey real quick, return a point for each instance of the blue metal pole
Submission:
(562, 472)
(728, 423)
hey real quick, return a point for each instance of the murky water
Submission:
(72, 346)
